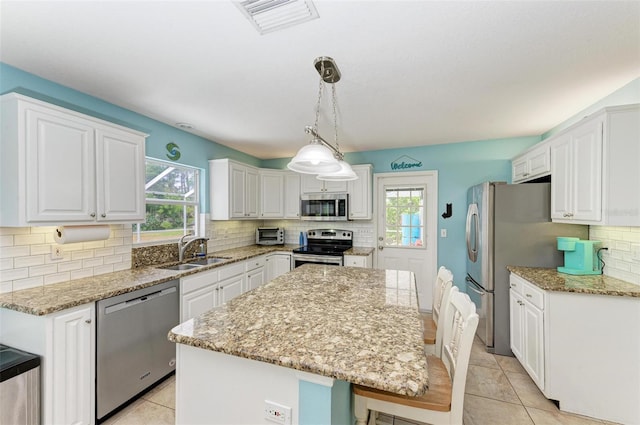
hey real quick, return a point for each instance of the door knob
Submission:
(380, 247)
(380, 238)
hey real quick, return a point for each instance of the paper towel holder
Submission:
(86, 233)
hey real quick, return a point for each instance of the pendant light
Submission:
(319, 156)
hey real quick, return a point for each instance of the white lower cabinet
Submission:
(72, 375)
(527, 327)
(358, 261)
(203, 291)
(580, 349)
(256, 272)
(277, 264)
(230, 288)
(66, 343)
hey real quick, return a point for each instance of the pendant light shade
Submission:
(321, 157)
(314, 158)
(345, 173)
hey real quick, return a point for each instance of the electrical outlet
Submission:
(277, 413)
(56, 252)
(443, 233)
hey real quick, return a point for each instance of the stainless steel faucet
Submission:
(182, 245)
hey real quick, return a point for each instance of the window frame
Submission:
(195, 191)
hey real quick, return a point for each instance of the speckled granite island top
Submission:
(551, 280)
(353, 324)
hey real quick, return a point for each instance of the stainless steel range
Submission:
(324, 246)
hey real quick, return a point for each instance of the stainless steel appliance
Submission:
(507, 224)
(19, 387)
(269, 236)
(132, 349)
(324, 246)
(324, 206)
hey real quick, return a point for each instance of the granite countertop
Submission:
(49, 299)
(360, 251)
(354, 324)
(551, 280)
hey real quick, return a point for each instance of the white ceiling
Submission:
(413, 73)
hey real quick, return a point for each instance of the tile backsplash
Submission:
(25, 257)
(622, 259)
(363, 231)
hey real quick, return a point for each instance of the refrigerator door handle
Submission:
(472, 215)
(473, 287)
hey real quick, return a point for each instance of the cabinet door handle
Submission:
(87, 321)
(528, 295)
(92, 214)
(103, 215)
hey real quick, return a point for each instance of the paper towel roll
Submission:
(72, 234)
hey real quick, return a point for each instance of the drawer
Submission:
(516, 284)
(533, 294)
(197, 281)
(226, 272)
(355, 261)
(256, 262)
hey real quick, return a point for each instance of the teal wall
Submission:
(321, 405)
(194, 151)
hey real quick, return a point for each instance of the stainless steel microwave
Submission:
(324, 207)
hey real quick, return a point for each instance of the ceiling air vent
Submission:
(272, 15)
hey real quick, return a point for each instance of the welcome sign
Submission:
(405, 162)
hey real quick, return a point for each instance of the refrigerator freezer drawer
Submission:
(484, 302)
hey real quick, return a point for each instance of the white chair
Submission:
(444, 400)
(441, 287)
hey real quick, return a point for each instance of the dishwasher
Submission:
(132, 349)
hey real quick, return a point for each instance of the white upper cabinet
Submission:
(291, 195)
(63, 167)
(360, 200)
(310, 184)
(271, 194)
(233, 189)
(595, 173)
(532, 164)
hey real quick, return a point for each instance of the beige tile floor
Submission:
(498, 391)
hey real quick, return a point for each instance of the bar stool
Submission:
(444, 281)
(444, 400)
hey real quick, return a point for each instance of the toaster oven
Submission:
(269, 236)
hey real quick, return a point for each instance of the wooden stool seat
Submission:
(429, 328)
(437, 397)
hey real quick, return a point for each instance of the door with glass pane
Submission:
(407, 225)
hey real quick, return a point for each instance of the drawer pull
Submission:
(528, 295)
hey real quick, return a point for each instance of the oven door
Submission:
(300, 259)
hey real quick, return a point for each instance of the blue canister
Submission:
(301, 240)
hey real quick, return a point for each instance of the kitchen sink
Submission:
(207, 261)
(182, 266)
(196, 264)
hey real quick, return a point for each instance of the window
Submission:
(404, 226)
(172, 199)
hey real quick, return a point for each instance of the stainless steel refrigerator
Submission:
(508, 224)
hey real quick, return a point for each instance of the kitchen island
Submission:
(299, 341)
